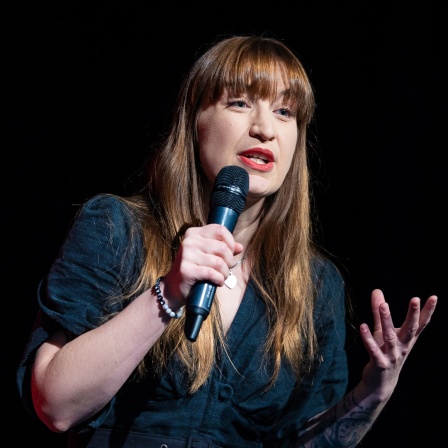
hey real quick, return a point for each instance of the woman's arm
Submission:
(346, 423)
(72, 381)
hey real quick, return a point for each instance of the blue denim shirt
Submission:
(232, 408)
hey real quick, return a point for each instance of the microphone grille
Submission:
(230, 188)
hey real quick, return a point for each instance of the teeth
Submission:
(258, 160)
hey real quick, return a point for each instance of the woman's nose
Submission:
(262, 126)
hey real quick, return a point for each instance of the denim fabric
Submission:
(232, 408)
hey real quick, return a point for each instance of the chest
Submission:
(229, 301)
(230, 296)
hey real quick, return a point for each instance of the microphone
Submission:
(227, 201)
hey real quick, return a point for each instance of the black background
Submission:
(87, 89)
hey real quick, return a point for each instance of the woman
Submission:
(108, 359)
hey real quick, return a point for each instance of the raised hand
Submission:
(389, 347)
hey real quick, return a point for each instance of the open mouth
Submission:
(257, 159)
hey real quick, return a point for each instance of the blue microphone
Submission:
(227, 201)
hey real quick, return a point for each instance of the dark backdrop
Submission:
(87, 89)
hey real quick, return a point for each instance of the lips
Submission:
(258, 159)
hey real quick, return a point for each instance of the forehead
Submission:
(271, 84)
(265, 83)
(277, 88)
(260, 71)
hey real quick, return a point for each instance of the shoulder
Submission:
(106, 211)
(103, 224)
(325, 271)
(105, 203)
(330, 288)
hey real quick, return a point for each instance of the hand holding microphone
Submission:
(227, 201)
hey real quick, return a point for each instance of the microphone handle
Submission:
(202, 293)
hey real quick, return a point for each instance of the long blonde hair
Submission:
(174, 200)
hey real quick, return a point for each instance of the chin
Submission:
(256, 195)
(260, 187)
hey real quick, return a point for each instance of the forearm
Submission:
(348, 421)
(73, 381)
(345, 424)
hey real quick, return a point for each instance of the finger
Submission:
(206, 259)
(426, 313)
(388, 329)
(214, 240)
(219, 232)
(409, 328)
(208, 253)
(377, 298)
(239, 248)
(371, 345)
(416, 319)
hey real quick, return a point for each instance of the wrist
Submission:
(371, 396)
(169, 305)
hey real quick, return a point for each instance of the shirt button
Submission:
(225, 391)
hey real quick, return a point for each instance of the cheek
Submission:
(212, 132)
(213, 136)
(206, 131)
(208, 139)
(206, 142)
(290, 147)
(290, 156)
(288, 152)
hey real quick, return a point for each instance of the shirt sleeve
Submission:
(96, 261)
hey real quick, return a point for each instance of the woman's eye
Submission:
(238, 103)
(285, 112)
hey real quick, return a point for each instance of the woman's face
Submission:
(258, 135)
